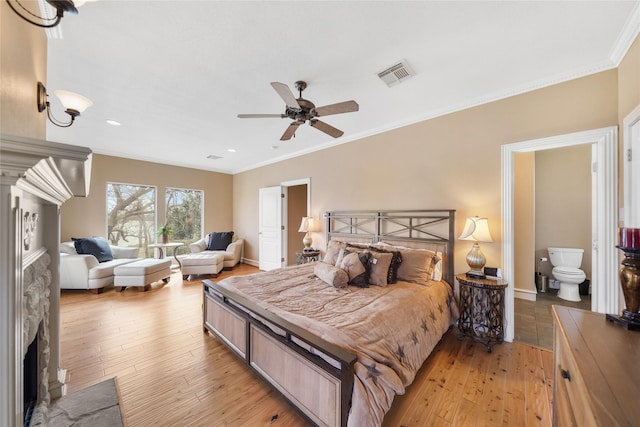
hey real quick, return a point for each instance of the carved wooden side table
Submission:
(481, 309)
(304, 257)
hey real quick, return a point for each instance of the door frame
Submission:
(604, 201)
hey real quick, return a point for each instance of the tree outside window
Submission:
(131, 214)
(184, 215)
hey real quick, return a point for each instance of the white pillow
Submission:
(437, 270)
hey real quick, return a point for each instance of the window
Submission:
(131, 214)
(184, 215)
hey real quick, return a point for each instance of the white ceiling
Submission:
(176, 73)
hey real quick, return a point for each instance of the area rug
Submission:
(94, 406)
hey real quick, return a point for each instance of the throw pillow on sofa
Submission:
(96, 246)
(218, 241)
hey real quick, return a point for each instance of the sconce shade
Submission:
(476, 229)
(72, 102)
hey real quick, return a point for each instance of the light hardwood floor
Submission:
(171, 373)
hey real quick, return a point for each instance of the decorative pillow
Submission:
(392, 275)
(96, 246)
(437, 270)
(218, 241)
(380, 264)
(332, 275)
(417, 265)
(68, 248)
(333, 250)
(357, 267)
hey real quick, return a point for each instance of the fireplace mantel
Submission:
(36, 178)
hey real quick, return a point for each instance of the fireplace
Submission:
(36, 178)
(30, 381)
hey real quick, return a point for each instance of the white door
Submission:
(270, 228)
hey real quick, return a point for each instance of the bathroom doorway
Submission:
(552, 209)
(604, 211)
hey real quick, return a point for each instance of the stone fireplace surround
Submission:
(36, 178)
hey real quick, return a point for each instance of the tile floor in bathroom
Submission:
(534, 321)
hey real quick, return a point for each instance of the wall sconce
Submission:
(308, 225)
(73, 104)
(61, 7)
(477, 230)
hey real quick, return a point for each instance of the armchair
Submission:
(232, 255)
(82, 271)
(204, 261)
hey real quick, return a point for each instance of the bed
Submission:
(339, 353)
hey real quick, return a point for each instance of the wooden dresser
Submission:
(597, 370)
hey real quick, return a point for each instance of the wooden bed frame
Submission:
(312, 374)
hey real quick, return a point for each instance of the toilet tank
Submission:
(565, 257)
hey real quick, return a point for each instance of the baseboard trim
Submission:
(525, 294)
(250, 262)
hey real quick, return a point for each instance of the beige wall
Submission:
(563, 202)
(448, 162)
(628, 99)
(87, 216)
(23, 62)
(629, 81)
(524, 221)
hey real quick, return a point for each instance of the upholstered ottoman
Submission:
(141, 273)
(202, 263)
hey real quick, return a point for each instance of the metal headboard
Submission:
(432, 229)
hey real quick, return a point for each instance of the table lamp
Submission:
(308, 225)
(477, 230)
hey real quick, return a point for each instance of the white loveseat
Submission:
(81, 271)
(203, 261)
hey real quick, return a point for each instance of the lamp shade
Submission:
(309, 224)
(313, 224)
(476, 229)
(73, 101)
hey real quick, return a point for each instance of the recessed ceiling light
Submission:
(231, 150)
(113, 122)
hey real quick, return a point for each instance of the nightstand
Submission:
(304, 257)
(481, 309)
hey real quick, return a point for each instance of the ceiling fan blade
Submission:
(286, 95)
(261, 116)
(328, 129)
(340, 107)
(290, 131)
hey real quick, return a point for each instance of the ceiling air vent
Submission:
(396, 74)
(213, 157)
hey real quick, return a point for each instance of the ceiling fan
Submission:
(302, 110)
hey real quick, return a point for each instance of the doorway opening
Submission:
(296, 205)
(605, 299)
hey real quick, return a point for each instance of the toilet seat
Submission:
(568, 271)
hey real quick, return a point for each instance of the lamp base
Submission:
(476, 274)
(628, 324)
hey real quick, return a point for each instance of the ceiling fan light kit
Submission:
(302, 110)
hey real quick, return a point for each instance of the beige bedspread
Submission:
(390, 329)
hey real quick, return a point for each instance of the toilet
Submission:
(566, 263)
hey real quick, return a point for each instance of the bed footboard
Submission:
(314, 375)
